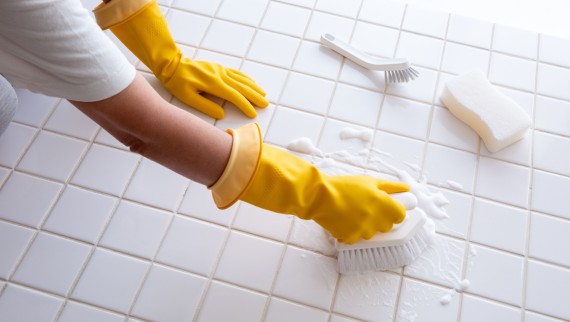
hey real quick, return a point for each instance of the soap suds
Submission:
(304, 145)
(442, 261)
(348, 133)
(454, 185)
(447, 297)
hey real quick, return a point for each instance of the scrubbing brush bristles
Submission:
(397, 248)
(397, 70)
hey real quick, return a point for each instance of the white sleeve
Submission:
(55, 48)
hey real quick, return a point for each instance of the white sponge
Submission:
(497, 119)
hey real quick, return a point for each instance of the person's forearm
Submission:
(147, 124)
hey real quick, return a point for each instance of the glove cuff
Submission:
(241, 167)
(117, 11)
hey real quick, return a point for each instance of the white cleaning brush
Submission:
(397, 248)
(397, 70)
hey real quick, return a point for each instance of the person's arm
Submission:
(142, 120)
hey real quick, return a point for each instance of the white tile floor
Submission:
(91, 232)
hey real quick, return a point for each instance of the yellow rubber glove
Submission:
(141, 26)
(348, 207)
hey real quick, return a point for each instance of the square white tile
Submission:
(192, 245)
(26, 199)
(273, 48)
(339, 136)
(262, 222)
(547, 288)
(421, 300)
(156, 185)
(459, 212)
(309, 235)
(490, 219)
(228, 37)
(515, 41)
(547, 234)
(421, 89)
(145, 226)
(110, 280)
(198, 203)
(448, 130)
(74, 311)
(13, 143)
(370, 297)
(106, 169)
(224, 302)
(16, 302)
(513, 72)
(233, 10)
(549, 194)
(399, 151)
(385, 45)
(271, 79)
(549, 152)
(554, 50)
(502, 181)
(207, 8)
(339, 7)
(169, 295)
(551, 79)
(552, 115)
(404, 117)
(470, 31)
(306, 125)
(356, 105)
(354, 74)
(14, 240)
(317, 60)
(33, 108)
(307, 278)
(67, 119)
(60, 260)
(53, 156)
(180, 23)
(384, 12)
(496, 275)
(284, 311)
(80, 214)
(446, 166)
(518, 152)
(240, 261)
(459, 59)
(307, 93)
(425, 21)
(441, 263)
(535, 317)
(420, 50)
(278, 18)
(478, 309)
(322, 22)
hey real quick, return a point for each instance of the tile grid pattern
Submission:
(68, 182)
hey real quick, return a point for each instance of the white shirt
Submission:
(55, 48)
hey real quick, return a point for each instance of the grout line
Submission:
(529, 193)
(401, 270)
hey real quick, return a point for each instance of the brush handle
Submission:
(361, 58)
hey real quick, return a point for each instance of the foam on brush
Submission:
(497, 119)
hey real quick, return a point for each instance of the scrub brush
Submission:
(397, 70)
(394, 249)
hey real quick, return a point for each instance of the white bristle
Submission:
(401, 76)
(381, 258)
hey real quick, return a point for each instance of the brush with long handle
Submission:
(397, 70)
(394, 249)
